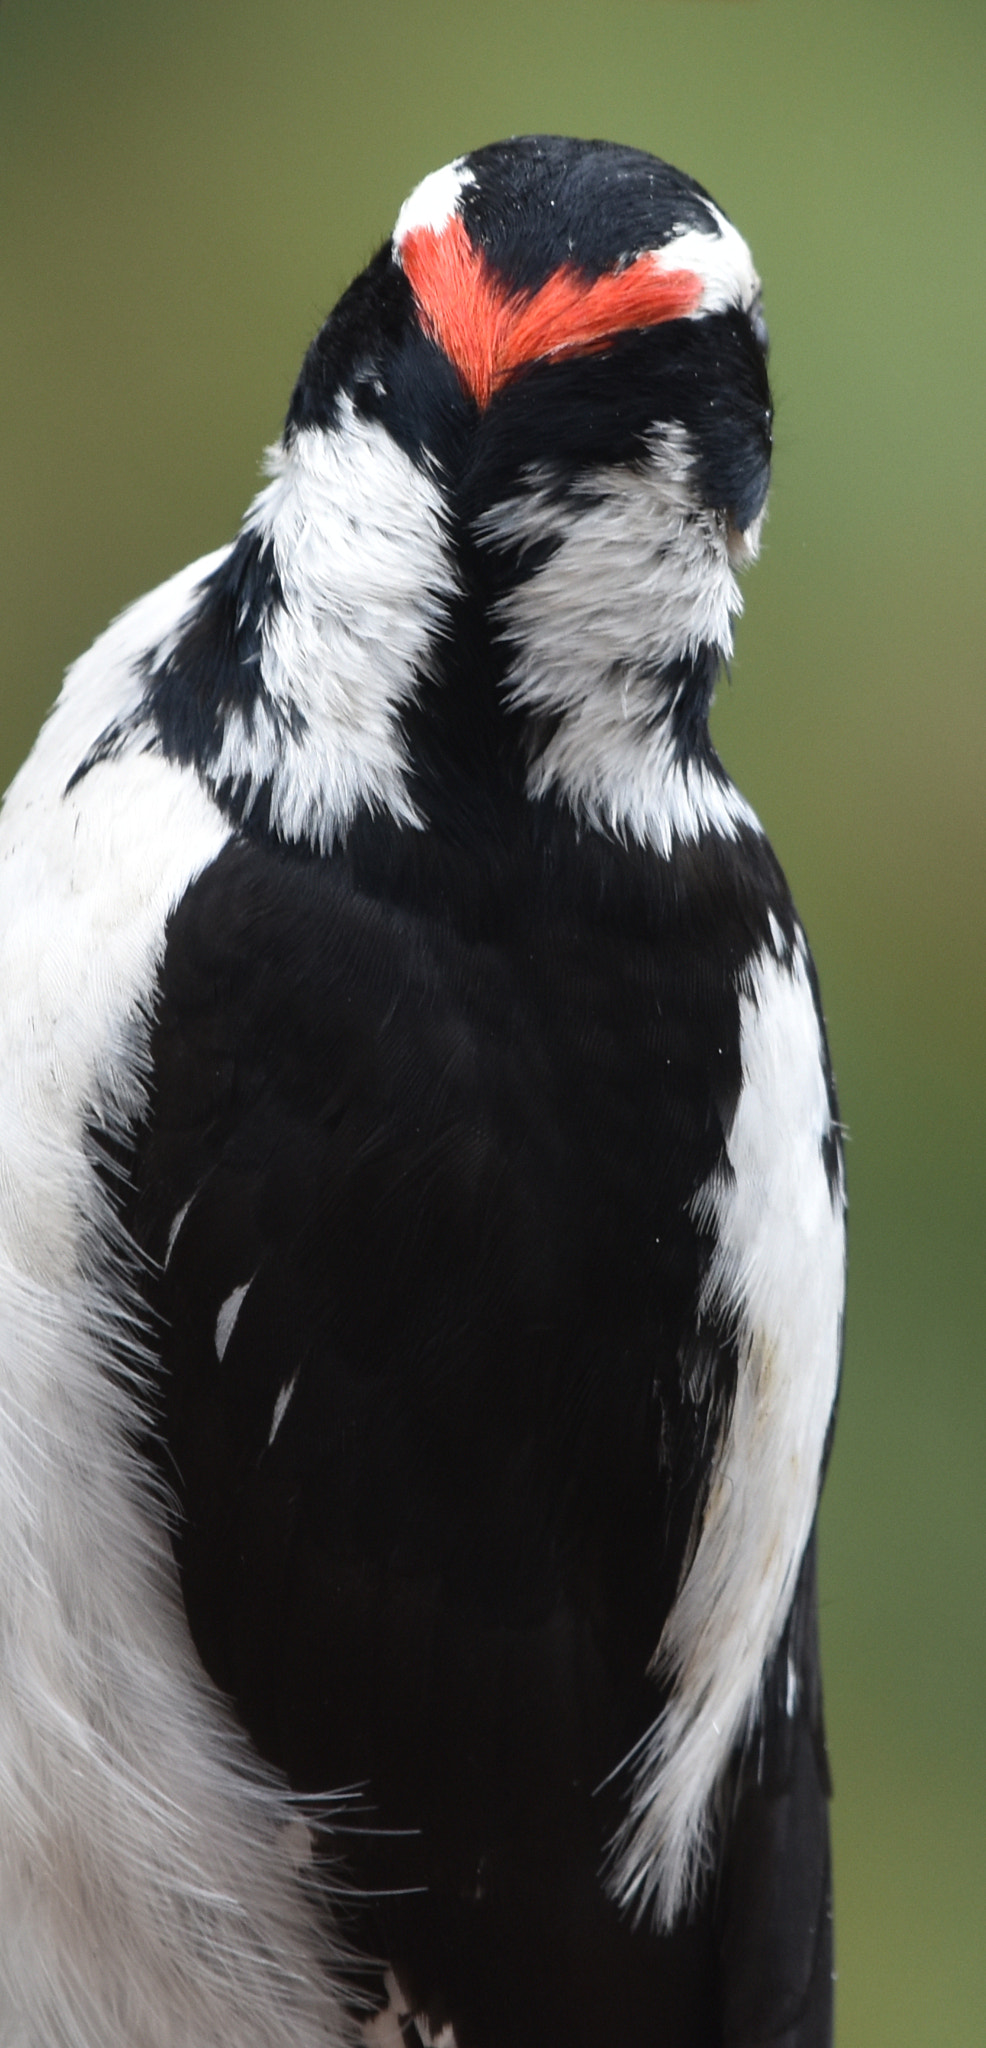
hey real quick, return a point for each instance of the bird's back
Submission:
(421, 1176)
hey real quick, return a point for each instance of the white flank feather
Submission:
(778, 1273)
(145, 1893)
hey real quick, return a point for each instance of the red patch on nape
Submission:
(490, 332)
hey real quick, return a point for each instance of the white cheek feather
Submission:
(434, 201)
(367, 574)
(143, 1894)
(639, 577)
(778, 1273)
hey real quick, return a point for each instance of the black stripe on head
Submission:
(541, 201)
(371, 320)
(372, 350)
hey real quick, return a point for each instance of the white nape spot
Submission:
(777, 935)
(722, 261)
(281, 1406)
(226, 1319)
(434, 201)
(778, 1275)
(367, 576)
(638, 577)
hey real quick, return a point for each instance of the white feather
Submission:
(367, 575)
(144, 1893)
(639, 576)
(778, 1274)
(433, 201)
(388, 2028)
(227, 1317)
(281, 1406)
(722, 261)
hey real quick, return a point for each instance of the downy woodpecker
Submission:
(421, 1206)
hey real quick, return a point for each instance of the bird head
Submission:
(525, 456)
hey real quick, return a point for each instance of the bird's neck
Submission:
(614, 615)
(420, 661)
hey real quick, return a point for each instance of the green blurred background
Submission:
(185, 189)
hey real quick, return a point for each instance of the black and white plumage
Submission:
(421, 1206)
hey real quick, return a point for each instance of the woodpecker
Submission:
(422, 1206)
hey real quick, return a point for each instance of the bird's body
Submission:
(422, 1192)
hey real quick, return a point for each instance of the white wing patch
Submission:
(778, 1273)
(639, 576)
